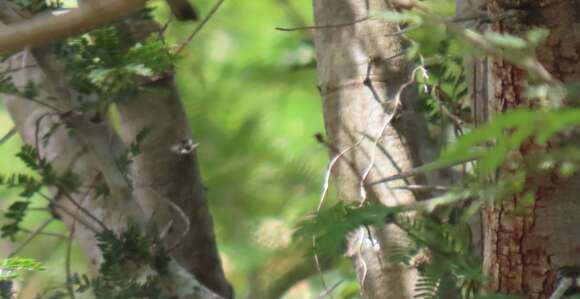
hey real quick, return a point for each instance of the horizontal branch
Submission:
(47, 28)
(434, 166)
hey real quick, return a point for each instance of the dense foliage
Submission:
(253, 105)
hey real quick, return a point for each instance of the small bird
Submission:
(182, 10)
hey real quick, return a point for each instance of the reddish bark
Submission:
(525, 246)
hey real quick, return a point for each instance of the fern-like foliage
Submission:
(13, 268)
(30, 185)
(102, 61)
(132, 266)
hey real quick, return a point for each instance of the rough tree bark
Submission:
(362, 70)
(83, 212)
(524, 248)
(167, 184)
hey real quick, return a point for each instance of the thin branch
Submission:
(363, 262)
(402, 31)
(7, 136)
(430, 205)
(421, 188)
(47, 105)
(165, 26)
(85, 211)
(38, 209)
(367, 171)
(388, 121)
(437, 92)
(329, 291)
(67, 196)
(317, 263)
(67, 264)
(186, 221)
(31, 237)
(37, 131)
(339, 154)
(63, 209)
(48, 234)
(48, 28)
(563, 286)
(567, 278)
(326, 183)
(200, 26)
(424, 169)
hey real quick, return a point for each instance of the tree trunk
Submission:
(167, 185)
(363, 75)
(525, 248)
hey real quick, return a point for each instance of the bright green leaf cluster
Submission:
(12, 268)
(101, 61)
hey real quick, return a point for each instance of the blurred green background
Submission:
(252, 100)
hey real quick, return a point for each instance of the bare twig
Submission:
(73, 215)
(424, 169)
(47, 28)
(402, 31)
(7, 136)
(437, 92)
(85, 211)
(317, 263)
(329, 291)
(429, 205)
(422, 188)
(30, 237)
(67, 265)
(363, 262)
(47, 105)
(69, 198)
(326, 182)
(186, 221)
(37, 130)
(165, 26)
(394, 112)
(48, 234)
(200, 26)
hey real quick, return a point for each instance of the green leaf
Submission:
(507, 41)
(330, 227)
(12, 268)
(537, 35)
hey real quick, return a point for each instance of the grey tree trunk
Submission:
(84, 212)
(166, 187)
(371, 124)
(525, 248)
